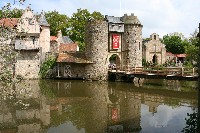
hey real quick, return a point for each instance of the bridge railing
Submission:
(182, 71)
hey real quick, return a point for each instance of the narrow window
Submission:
(154, 37)
(139, 45)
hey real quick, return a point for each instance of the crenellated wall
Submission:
(132, 43)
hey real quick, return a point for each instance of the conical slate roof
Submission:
(42, 20)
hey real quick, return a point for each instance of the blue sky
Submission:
(157, 16)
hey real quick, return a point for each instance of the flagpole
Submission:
(120, 13)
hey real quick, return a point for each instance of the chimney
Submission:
(59, 34)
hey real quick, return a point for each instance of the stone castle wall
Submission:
(96, 39)
(132, 49)
(28, 65)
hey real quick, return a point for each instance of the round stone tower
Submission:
(132, 41)
(96, 50)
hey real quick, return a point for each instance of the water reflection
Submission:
(50, 106)
(23, 109)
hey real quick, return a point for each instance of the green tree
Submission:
(14, 13)
(192, 49)
(191, 123)
(175, 43)
(46, 67)
(57, 22)
(77, 25)
(7, 53)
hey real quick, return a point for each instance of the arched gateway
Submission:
(120, 36)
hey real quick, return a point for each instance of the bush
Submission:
(46, 66)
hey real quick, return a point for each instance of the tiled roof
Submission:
(68, 47)
(8, 22)
(181, 55)
(175, 55)
(75, 57)
(169, 54)
(53, 38)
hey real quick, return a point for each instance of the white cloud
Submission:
(166, 118)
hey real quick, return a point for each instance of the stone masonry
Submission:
(32, 43)
(154, 48)
(100, 41)
(96, 39)
(132, 47)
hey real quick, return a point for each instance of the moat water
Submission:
(65, 106)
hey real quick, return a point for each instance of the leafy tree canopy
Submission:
(14, 13)
(175, 43)
(192, 49)
(57, 22)
(77, 25)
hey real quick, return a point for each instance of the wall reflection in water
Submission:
(79, 106)
(23, 109)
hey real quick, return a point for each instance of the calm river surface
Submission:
(65, 106)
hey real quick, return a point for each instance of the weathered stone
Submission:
(99, 41)
(97, 49)
(154, 50)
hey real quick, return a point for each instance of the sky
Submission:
(157, 16)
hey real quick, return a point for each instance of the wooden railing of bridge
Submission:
(164, 71)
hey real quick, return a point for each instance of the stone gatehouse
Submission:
(121, 36)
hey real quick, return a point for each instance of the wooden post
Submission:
(193, 71)
(58, 70)
(182, 71)
(198, 114)
(135, 69)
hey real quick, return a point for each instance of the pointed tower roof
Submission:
(42, 20)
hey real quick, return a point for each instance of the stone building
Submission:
(132, 41)
(70, 63)
(119, 36)
(31, 43)
(154, 50)
(60, 43)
